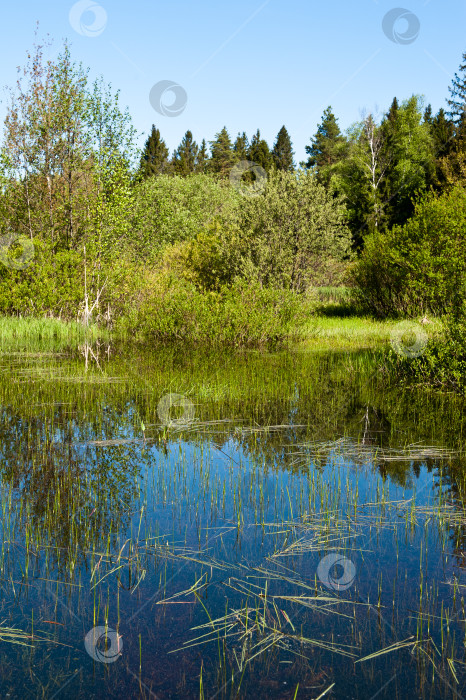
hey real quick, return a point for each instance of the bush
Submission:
(53, 283)
(420, 267)
(294, 234)
(443, 362)
(210, 261)
(172, 308)
(169, 210)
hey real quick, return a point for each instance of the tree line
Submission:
(190, 158)
(380, 165)
(121, 229)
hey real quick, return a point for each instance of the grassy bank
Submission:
(353, 332)
(318, 332)
(346, 333)
(51, 334)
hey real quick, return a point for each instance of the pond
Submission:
(177, 524)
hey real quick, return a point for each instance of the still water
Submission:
(183, 525)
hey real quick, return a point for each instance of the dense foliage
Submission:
(443, 362)
(224, 242)
(420, 267)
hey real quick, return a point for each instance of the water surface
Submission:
(290, 515)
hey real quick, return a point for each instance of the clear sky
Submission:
(250, 64)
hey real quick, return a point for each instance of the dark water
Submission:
(289, 516)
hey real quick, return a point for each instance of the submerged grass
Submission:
(218, 526)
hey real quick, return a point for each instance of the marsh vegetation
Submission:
(220, 476)
(195, 533)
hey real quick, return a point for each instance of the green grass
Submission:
(351, 332)
(326, 330)
(44, 334)
(335, 295)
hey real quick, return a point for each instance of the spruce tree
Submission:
(241, 147)
(223, 157)
(428, 118)
(390, 124)
(202, 158)
(259, 152)
(390, 152)
(185, 156)
(393, 111)
(452, 166)
(282, 152)
(327, 148)
(154, 158)
(445, 146)
(457, 101)
(443, 130)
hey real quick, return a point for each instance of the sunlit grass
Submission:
(44, 334)
(353, 332)
(346, 333)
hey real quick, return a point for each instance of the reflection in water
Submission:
(197, 543)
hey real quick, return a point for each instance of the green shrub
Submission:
(51, 284)
(244, 314)
(443, 362)
(294, 234)
(170, 210)
(211, 260)
(420, 267)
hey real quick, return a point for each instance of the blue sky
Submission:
(250, 64)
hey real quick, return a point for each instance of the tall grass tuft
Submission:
(18, 332)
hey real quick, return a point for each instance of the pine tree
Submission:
(327, 148)
(241, 147)
(223, 157)
(154, 158)
(185, 156)
(457, 90)
(202, 158)
(259, 152)
(282, 152)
